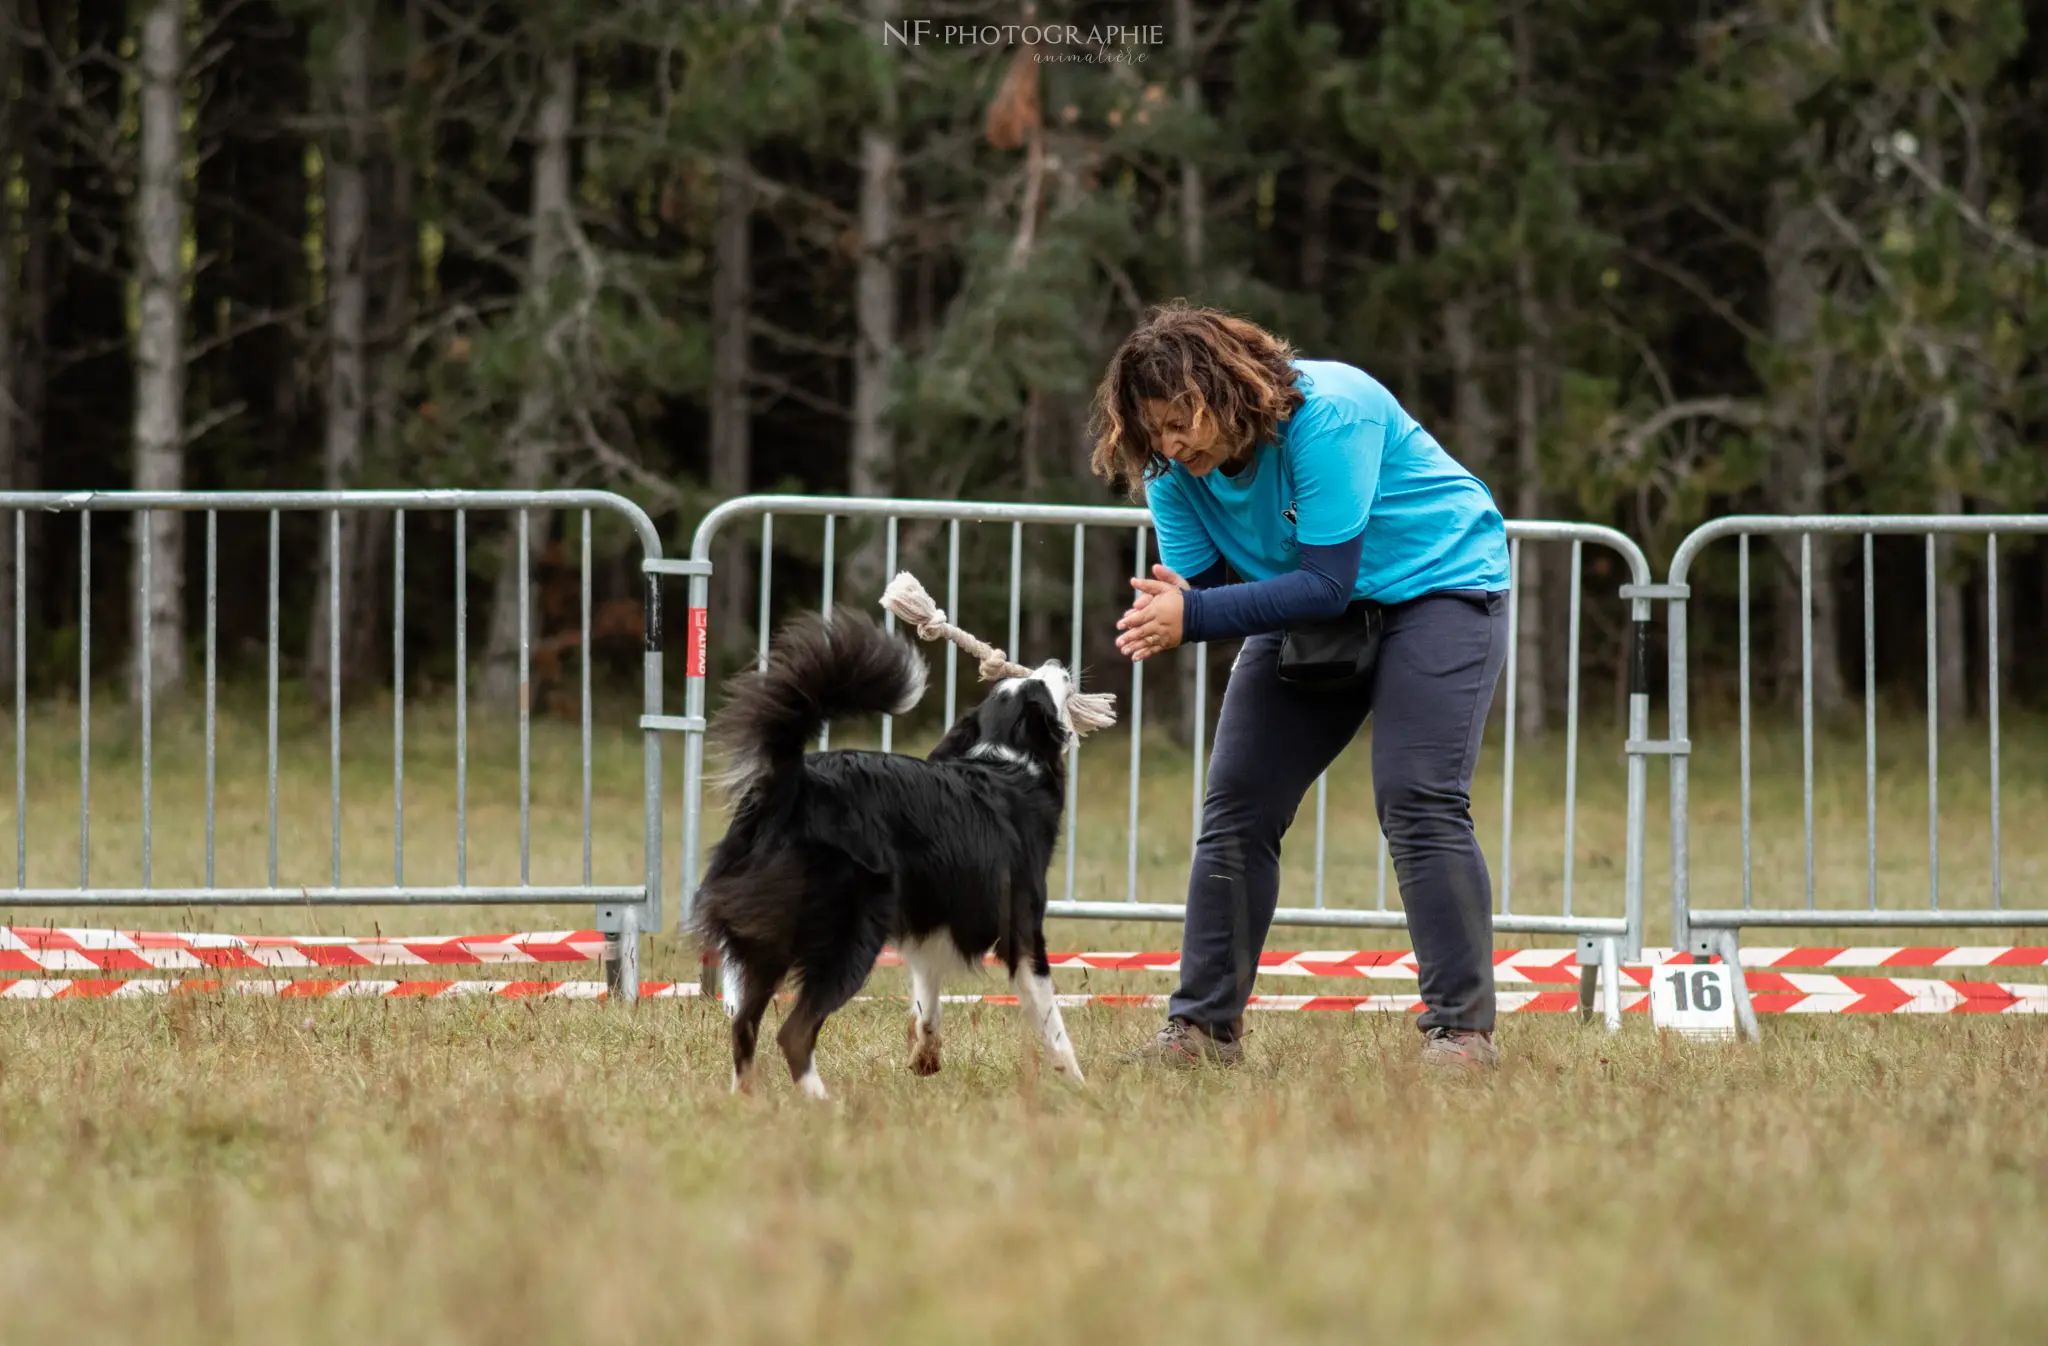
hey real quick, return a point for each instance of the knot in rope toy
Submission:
(907, 598)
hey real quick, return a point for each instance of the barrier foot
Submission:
(1729, 946)
(622, 958)
(1610, 983)
(1588, 985)
(710, 970)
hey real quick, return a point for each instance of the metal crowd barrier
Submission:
(1718, 929)
(624, 911)
(1604, 940)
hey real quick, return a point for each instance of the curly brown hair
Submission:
(1235, 370)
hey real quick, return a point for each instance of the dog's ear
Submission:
(965, 733)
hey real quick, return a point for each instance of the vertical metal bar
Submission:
(20, 703)
(1637, 807)
(1137, 745)
(525, 707)
(767, 577)
(270, 759)
(212, 641)
(146, 654)
(1870, 715)
(1507, 802)
(1016, 590)
(1571, 724)
(950, 650)
(1933, 740)
(651, 777)
(398, 699)
(1610, 985)
(889, 620)
(461, 699)
(1806, 697)
(1676, 720)
(585, 595)
(334, 693)
(1322, 832)
(1742, 680)
(1990, 626)
(84, 700)
(1074, 748)
(825, 606)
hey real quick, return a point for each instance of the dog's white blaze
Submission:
(1060, 684)
(1000, 752)
(1035, 998)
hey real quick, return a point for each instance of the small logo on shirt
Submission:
(1288, 513)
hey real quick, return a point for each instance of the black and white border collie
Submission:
(831, 855)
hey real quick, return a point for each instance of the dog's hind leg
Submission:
(926, 959)
(754, 994)
(799, 1042)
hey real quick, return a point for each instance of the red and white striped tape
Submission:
(1844, 995)
(43, 949)
(51, 949)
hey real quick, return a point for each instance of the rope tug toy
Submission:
(908, 600)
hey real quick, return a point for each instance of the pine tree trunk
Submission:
(1952, 662)
(871, 463)
(346, 229)
(1319, 185)
(12, 115)
(732, 296)
(1796, 481)
(38, 223)
(160, 349)
(1411, 333)
(1531, 672)
(534, 429)
(392, 254)
(1475, 426)
(1531, 669)
(1193, 210)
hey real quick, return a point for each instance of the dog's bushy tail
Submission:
(816, 672)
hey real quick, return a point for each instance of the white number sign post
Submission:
(1694, 1001)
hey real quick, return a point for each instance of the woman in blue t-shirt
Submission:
(1298, 495)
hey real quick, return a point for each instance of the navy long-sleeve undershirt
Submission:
(1216, 609)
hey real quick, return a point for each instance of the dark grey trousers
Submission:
(1440, 658)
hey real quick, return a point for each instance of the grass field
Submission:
(231, 1169)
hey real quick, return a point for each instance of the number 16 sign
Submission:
(1694, 1001)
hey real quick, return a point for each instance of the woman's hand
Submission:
(1153, 623)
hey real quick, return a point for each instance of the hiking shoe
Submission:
(1459, 1049)
(1183, 1045)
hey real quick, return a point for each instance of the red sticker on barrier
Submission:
(700, 641)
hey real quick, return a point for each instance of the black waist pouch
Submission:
(1339, 654)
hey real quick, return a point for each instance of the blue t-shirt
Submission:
(1350, 463)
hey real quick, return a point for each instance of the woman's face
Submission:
(1186, 433)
